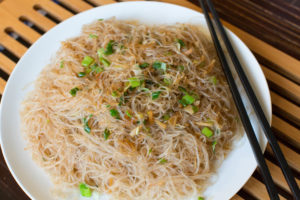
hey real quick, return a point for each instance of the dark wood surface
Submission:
(276, 22)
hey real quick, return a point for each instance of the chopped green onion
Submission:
(195, 108)
(100, 52)
(180, 68)
(167, 81)
(74, 91)
(214, 146)
(121, 100)
(107, 106)
(128, 114)
(144, 89)
(149, 151)
(144, 65)
(85, 191)
(100, 19)
(183, 90)
(104, 61)
(155, 95)
(166, 117)
(87, 60)
(114, 94)
(106, 134)
(214, 80)
(109, 48)
(162, 161)
(187, 100)
(81, 74)
(207, 132)
(180, 43)
(134, 82)
(114, 113)
(99, 69)
(200, 198)
(93, 36)
(61, 64)
(159, 66)
(218, 131)
(86, 124)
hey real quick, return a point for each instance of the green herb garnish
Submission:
(159, 66)
(200, 198)
(74, 91)
(187, 100)
(87, 60)
(106, 134)
(86, 124)
(213, 145)
(104, 61)
(167, 81)
(93, 36)
(207, 132)
(162, 161)
(180, 68)
(134, 82)
(144, 65)
(149, 151)
(195, 108)
(128, 114)
(114, 113)
(81, 74)
(85, 191)
(61, 64)
(155, 95)
(109, 48)
(183, 90)
(180, 43)
(214, 80)
(115, 94)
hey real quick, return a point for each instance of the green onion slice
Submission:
(214, 80)
(207, 132)
(104, 61)
(61, 64)
(134, 82)
(106, 134)
(155, 95)
(109, 48)
(144, 65)
(74, 91)
(200, 198)
(85, 191)
(213, 145)
(93, 36)
(159, 66)
(187, 100)
(87, 61)
(180, 43)
(81, 74)
(128, 114)
(162, 161)
(114, 113)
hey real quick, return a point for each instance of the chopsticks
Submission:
(255, 104)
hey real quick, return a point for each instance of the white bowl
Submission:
(233, 173)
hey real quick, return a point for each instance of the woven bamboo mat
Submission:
(22, 22)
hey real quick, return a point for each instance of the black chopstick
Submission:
(242, 111)
(255, 104)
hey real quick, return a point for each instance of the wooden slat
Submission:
(102, 2)
(55, 10)
(287, 65)
(19, 8)
(283, 85)
(257, 189)
(6, 64)
(237, 197)
(278, 176)
(11, 44)
(39, 20)
(292, 157)
(287, 132)
(286, 108)
(76, 5)
(2, 85)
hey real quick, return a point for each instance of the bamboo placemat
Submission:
(22, 22)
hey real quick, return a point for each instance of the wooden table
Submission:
(271, 29)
